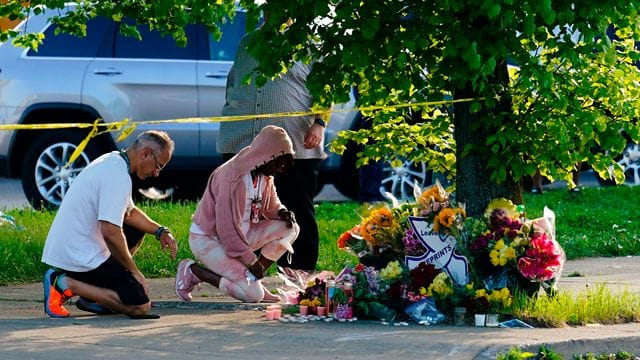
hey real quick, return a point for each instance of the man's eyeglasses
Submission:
(159, 166)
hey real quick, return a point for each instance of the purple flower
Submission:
(412, 246)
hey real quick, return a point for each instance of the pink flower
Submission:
(543, 261)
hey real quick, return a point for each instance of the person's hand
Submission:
(142, 280)
(257, 270)
(314, 137)
(287, 216)
(167, 241)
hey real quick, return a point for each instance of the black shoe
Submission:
(143, 317)
(92, 307)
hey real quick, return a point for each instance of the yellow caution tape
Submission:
(121, 124)
(128, 127)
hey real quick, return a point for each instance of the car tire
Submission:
(399, 181)
(45, 177)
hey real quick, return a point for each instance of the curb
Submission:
(197, 305)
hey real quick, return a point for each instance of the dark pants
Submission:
(370, 177)
(112, 275)
(296, 190)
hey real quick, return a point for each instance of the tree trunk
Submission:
(473, 185)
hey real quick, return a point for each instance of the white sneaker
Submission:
(186, 280)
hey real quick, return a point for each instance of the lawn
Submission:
(594, 222)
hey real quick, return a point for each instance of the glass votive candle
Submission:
(320, 311)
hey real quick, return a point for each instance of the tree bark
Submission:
(474, 187)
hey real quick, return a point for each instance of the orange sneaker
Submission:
(53, 299)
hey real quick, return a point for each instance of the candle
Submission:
(304, 309)
(320, 310)
(269, 314)
(277, 312)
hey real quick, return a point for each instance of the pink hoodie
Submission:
(220, 210)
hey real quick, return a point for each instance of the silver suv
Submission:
(111, 77)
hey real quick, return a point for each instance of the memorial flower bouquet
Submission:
(505, 250)
(429, 248)
(385, 234)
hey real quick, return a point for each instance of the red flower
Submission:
(343, 240)
(423, 275)
(543, 261)
(359, 268)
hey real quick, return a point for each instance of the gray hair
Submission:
(157, 140)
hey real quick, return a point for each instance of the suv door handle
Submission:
(107, 71)
(217, 75)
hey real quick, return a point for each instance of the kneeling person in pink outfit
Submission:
(238, 217)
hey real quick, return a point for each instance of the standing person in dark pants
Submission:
(285, 93)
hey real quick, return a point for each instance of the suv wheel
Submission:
(630, 162)
(399, 180)
(46, 177)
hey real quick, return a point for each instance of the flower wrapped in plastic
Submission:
(508, 251)
(542, 261)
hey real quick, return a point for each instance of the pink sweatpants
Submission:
(273, 237)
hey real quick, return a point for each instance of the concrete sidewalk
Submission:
(216, 326)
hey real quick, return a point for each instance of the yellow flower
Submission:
(501, 297)
(440, 286)
(422, 290)
(504, 204)
(481, 293)
(501, 254)
(392, 271)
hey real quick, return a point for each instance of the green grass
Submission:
(595, 222)
(547, 353)
(596, 305)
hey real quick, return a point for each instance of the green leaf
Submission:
(494, 11)
(547, 12)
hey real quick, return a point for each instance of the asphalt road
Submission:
(11, 194)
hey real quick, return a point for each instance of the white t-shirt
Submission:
(102, 191)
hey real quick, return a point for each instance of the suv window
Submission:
(65, 45)
(155, 45)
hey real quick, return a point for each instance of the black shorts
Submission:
(111, 275)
